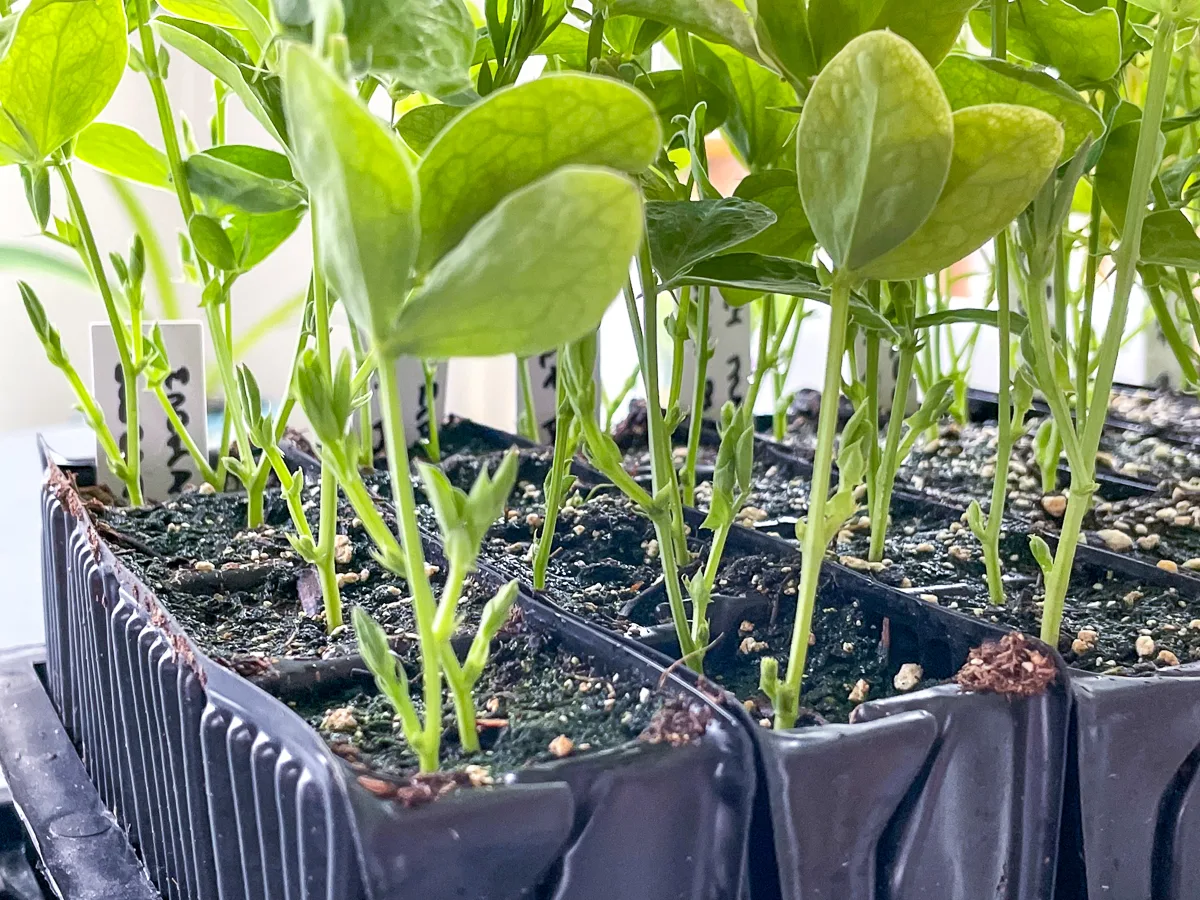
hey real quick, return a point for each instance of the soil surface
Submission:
(1112, 623)
(1160, 409)
(853, 655)
(538, 702)
(244, 595)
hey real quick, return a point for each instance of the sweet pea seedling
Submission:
(881, 174)
(449, 266)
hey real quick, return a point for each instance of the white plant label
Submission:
(418, 406)
(166, 465)
(728, 374)
(1160, 361)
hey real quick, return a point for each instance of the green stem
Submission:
(1083, 349)
(661, 465)
(595, 45)
(93, 414)
(528, 424)
(563, 439)
(206, 471)
(1004, 424)
(414, 556)
(668, 519)
(433, 443)
(327, 524)
(779, 419)
(1189, 300)
(366, 435)
(1126, 258)
(889, 464)
(679, 342)
(814, 534)
(1060, 286)
(763, 362)
(129, 377)
(699, 390)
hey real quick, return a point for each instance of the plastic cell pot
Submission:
(225, 792)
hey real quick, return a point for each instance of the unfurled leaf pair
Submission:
(464, 518)
(328, 402)
(514, 250)
(894, 183)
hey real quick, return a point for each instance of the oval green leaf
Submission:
(1002, 156)
(971, 81)
(123, 152)
(211, 242)
(362, 189)
(520, 134)
(681, 233)
(249, 179)
(873, 149)
(62, 65)
(537, 271)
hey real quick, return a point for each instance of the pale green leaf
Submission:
(791, 234)
(932, 26)
(536, 272)
(250, 179)
(873, 148)
(362, 189)
(684, 232)
(1084, 47)
(519, 134)
(63, 64)
(719, 21)
(419, 126)
(1003, 155)
(123, 152)
(207, 49)
(971, 81)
